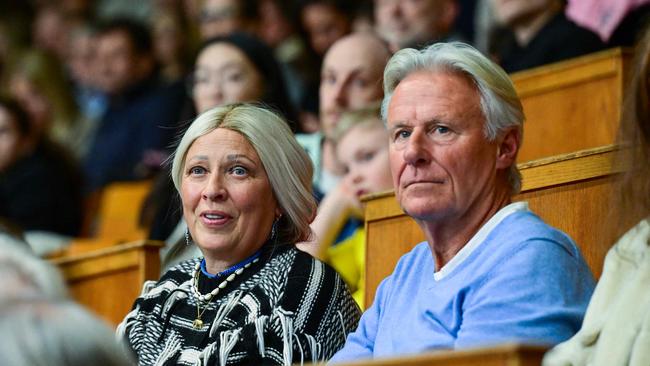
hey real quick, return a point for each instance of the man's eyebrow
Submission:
(399, 125)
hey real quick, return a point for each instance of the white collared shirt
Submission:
(479, 238)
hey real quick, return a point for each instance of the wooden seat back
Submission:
(572, 105)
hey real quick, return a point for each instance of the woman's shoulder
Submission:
(171, 279)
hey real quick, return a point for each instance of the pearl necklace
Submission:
(232, 272)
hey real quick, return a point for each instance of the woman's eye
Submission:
(196, 170)
(238, 170)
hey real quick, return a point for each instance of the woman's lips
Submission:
(214, 218)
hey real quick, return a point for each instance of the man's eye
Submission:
(441, 129)
(402, 134)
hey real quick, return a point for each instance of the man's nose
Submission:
(417, 149)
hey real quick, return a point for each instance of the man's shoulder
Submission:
(526, 234)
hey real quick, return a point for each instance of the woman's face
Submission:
(36, 104)
(223, 75)
(10, 139)
(228, 202)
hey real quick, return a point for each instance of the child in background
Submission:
(362, 148)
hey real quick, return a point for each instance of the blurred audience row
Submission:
(99, 91)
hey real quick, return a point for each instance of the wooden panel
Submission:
(502, 355)
(108, 280)
(572, 105)
(572, 192)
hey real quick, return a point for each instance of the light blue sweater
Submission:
(517, 280)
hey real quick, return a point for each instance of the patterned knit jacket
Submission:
(287, 308)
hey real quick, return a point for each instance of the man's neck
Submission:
(447, 237)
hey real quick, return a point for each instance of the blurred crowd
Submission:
(97, 91)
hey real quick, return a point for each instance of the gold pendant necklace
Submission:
(198, 323)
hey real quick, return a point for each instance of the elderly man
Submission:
(490, 270)
(416, 23)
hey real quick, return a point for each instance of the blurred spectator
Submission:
(50, 30)
(541, 34)
(361, 145)
(325, 21)
(142, 113)
(351, 78)
(221, 17)
(39, 185)
(37, 331)
(38, 81)
(173, 40)
(25, 275)
(416, 23)
(610, 19)
(81, 61)
(278, 28)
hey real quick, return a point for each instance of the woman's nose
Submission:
(214, 189)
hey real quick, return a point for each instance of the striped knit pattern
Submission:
(287, 308)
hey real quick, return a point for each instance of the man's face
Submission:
(405, 22)
(351, 78)
(118, 65)
(441, 162)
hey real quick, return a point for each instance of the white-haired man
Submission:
(490, 271)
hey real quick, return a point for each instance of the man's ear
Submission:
(508, 148)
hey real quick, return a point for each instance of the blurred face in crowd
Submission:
(10, 139)
(119, 66)
(223, 74)
(513, 12)
(228, 201)
(33, 101)
(82, 58)
(219, 17)
(404, 23)
(441, 161)
(325, 25)
(363, 152)
(168, 39)
(351, 77)
(274, 26)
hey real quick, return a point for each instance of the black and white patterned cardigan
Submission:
(287, 308)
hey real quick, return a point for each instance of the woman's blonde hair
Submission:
(286, 163)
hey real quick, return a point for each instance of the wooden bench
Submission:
(107, 280)
(502, 355)
(116, 218)
(571, 192)
(572, 105)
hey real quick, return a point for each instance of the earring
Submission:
(274, 229)
(187, 236)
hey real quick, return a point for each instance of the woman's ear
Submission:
(508, 148)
